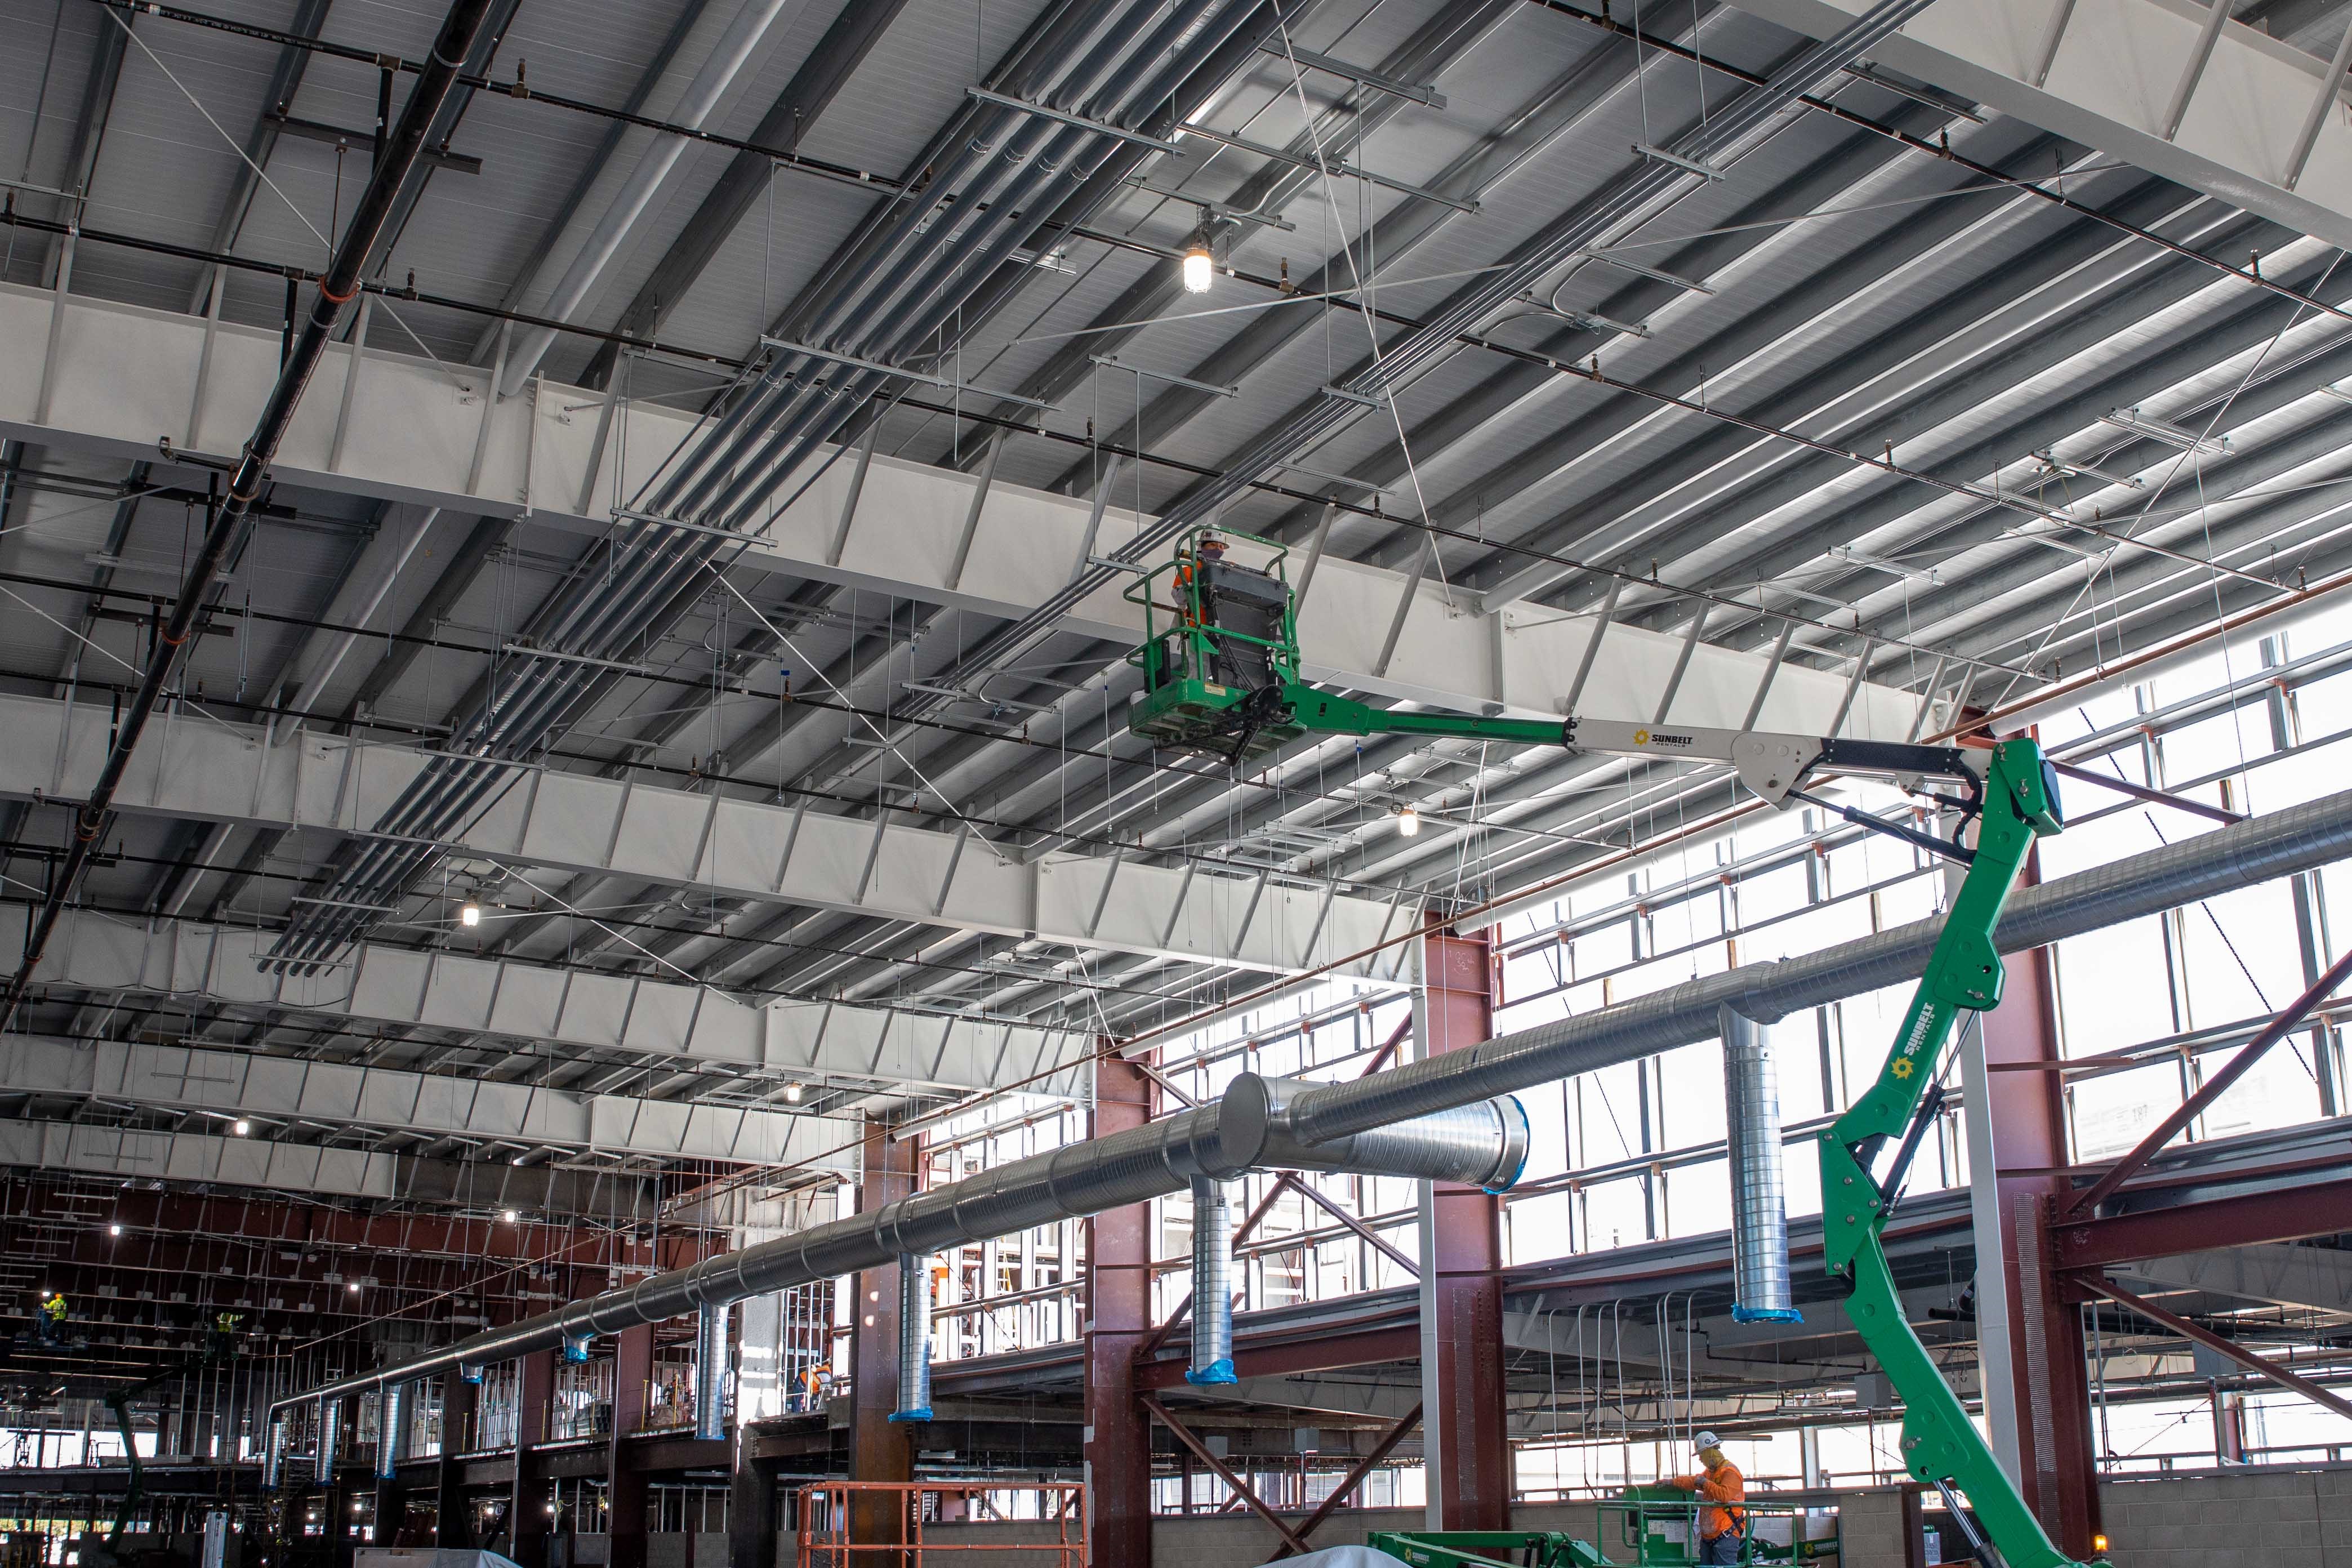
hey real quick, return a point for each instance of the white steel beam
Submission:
(198, 1157)
(331, 1094)
(196, 767)
(836, 1043)
(2172, 86)
(124, 376)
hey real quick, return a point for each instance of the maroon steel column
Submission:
(625, 1484)
(528, 1520)
(1465, 1432)
(453, 1518)
(2029, 1120)
(750, 1505)
(1117, 1320)
(877, 1450)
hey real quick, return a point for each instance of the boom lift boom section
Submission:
(1222, 677)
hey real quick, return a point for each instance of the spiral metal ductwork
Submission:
(711, 1372)
(1212, 1285)
(1761, 1289)
(1220, 1140)
(392, 1428)
(273, 1457)
(331, 1439)
(1483, 1145)
(1278, 1123)
(2278, 844)
(914, 1340)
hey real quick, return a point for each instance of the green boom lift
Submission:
(1221, 676)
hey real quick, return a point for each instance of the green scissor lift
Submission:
(1648, 1527)
(1221, 676)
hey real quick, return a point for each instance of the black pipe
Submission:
(336, 290)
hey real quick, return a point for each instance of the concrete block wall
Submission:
(1241, 1539)
(2276, 1519)
(2247, 1518)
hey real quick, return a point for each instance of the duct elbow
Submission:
(1483, 1145)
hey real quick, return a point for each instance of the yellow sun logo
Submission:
(1641, 737)
(1902, 1066)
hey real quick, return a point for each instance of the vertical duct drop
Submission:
(330, 1440)
(711, 1372)
(914, 1339)
(1759, 1207)
(1212, 1285)
(273, 1457)
(391, 1429)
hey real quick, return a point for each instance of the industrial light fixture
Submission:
(114, 1230)
(1199, 263)
(469, 915)
(1408, 822)
(792, 1093)
(353, 1288)
(510, 1217)
(240, 1127)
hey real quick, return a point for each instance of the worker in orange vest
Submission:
(1723, 1524)
(1212, 551)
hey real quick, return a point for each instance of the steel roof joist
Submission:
(2244, 122)
(865, 1048)
(334, 1094)
(718, 846)
(127, 374)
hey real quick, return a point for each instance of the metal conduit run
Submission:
(1400, 1114)
(1222, 1140)
(1212, 1285)
(1761, 1288)
(914, 1339)
(711, 1372)
(906, 280)
(1639, 194)
(230, 518)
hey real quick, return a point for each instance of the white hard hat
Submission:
(1706, 1440)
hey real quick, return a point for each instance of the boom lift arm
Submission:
(219, 1350)
(1940, 1444)
(1221, 678)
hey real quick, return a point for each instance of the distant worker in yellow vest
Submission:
(1723, 1525)
(52, 1318)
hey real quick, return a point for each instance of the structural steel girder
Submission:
(2282, 1210)
(410, 430)
(721, 847)
(2234, 113)
(333, 1094)
(822, 1041)
(488, 1242)
(57, 1146)
(2280, 1274)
